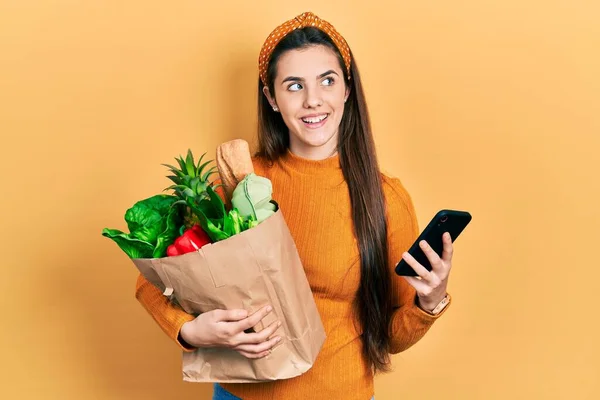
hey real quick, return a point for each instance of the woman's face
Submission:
(310, 93)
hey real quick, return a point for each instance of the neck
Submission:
(327, 150)
(328, 170)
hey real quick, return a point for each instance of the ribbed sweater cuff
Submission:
(409, 325)
(168, 316)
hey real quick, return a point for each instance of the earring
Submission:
(275, 109)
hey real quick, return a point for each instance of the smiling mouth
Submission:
(315, 120)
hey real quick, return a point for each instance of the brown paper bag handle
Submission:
(168, 292)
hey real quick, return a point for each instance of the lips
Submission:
(315, 120)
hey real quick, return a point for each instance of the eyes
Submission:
(328, 81)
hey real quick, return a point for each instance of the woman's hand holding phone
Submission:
(431, 285)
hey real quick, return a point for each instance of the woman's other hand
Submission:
(227, 328)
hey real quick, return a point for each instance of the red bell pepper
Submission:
(191, 240)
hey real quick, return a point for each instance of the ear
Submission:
(270, 99)
(347, 93)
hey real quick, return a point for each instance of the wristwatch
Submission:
(441, 305)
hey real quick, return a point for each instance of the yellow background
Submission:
(488, 106)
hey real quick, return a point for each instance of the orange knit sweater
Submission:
(314, 199)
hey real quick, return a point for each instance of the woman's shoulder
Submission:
(394, 189)
(399, 203)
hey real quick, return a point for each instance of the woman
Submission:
(351, 225)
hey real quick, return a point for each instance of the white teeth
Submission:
(314, 120)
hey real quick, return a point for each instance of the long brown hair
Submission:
(360, 168)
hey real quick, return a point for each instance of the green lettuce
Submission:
(153, 225)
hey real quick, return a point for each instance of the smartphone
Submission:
(451, 221)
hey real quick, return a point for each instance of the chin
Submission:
(317, 144)
(316, 139)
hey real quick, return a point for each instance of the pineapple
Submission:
(191, 182)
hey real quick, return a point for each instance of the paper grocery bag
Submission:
(249, 270)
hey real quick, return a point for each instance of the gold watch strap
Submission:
(442, 304)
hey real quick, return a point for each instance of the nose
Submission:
(313, 97)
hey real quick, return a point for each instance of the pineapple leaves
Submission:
(174, 179)
(174, 170)
(200, 201)
(189, 163)
(176, 187)
(201, 167)
(188, 179)
(208, 173)
(181, 162)
(215, 187)
(187, 167)
(196, 186)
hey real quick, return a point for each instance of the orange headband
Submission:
(301, 21)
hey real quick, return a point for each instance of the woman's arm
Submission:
(167, 315)
(409, 322)
(216, 328)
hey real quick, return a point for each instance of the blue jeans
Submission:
(222, 394)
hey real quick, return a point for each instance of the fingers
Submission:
(448, 248)
(230, 315)
(252, 320)
(259, 337)
(256, 345)
(254, 356)
(430, 283)
(421, 271)
(258, 350)
(419, 285)
(432, 256)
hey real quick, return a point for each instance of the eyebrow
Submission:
(296, 78)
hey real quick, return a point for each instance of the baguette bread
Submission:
(234, 162)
